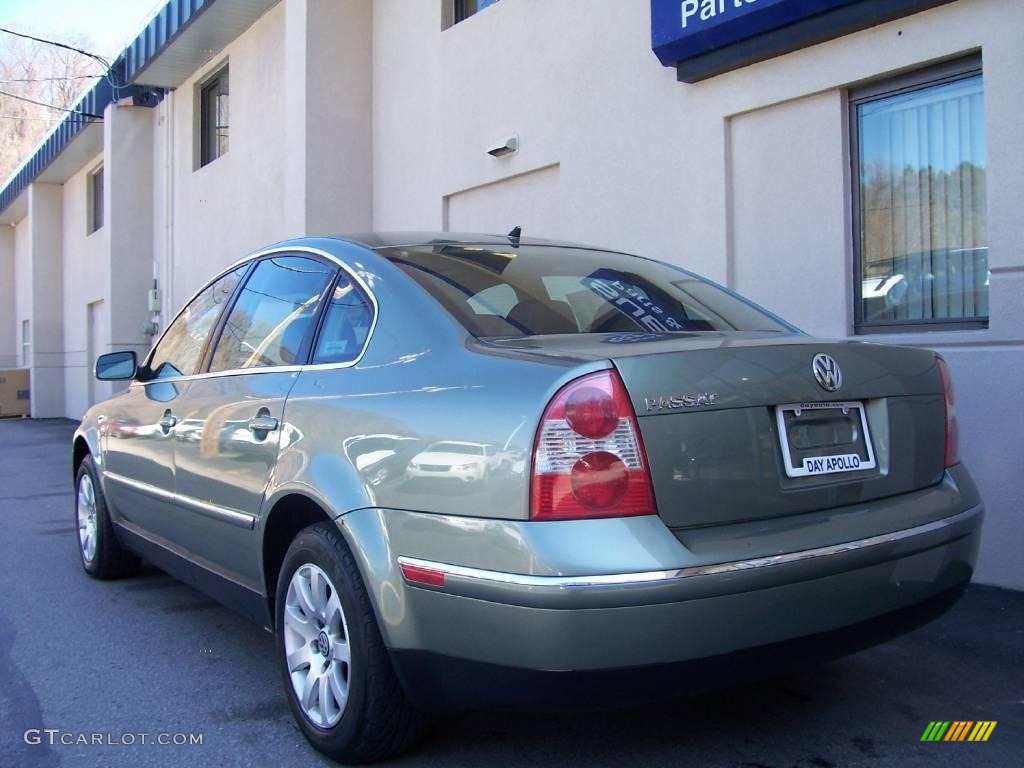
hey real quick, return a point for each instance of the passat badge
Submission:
(672, 402)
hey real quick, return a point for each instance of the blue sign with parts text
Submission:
(684, 29)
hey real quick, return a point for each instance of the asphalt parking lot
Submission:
(149, 655)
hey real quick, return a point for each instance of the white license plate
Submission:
(824, 438)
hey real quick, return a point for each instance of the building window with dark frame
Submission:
(214, 117)
(95, 200)
(920, 234)
(460, 10)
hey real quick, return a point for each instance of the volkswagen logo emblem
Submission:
(323, 644)
(826, 372)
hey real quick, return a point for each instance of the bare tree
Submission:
(41, 73)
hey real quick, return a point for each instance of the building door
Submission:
(26, 344)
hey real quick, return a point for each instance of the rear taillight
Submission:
(588, 460)
(952, 454)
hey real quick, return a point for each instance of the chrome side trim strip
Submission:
(224, 514)
(627, 579)
(152, 490)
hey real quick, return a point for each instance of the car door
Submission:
(143, 424)
(235, 410)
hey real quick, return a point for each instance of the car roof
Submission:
(376, 240)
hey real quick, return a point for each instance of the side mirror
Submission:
(116, 366)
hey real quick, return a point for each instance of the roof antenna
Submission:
(514, 235)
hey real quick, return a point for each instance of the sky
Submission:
(109, 24)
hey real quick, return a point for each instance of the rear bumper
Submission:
(436, 682)
(638, 599)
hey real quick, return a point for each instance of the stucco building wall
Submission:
(356, 115)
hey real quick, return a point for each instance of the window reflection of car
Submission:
(467, 462)
(277, 338)
(120, 427)
(944, 277)
(189, 430)
(380, 458)
(509, 461)
(231, 437)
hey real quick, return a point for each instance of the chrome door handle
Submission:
(262, 424)
(168, 421)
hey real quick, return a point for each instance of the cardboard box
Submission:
(14, 393)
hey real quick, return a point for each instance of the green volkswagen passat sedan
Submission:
(477, 471)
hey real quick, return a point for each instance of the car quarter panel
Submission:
(352, 431)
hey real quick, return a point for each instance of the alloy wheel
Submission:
(316, 645)
(87, 518)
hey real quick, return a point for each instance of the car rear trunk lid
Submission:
(723, 447)
(708, 411)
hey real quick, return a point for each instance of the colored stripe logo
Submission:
(958, 730)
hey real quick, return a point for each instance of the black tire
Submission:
(378, 722)
(110, 560)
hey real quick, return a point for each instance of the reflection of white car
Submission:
(379, 457)
(458, 461)
(907, 280)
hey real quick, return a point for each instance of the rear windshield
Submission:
(540, 290)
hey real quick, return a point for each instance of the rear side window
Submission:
(346, 325)
(541, 290)
(271, 322)
(184, 343)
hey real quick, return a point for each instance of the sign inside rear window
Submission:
(651, 312)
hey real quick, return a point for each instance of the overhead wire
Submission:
(30, 117)
(49, 79)
(108, 72)
(94, 56)
(50, 106)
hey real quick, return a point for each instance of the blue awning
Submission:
(158, 34)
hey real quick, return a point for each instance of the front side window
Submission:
(346, 325)
(271, 322)
(182, 347)
(214, 114)
(922, 227)
(541, 290)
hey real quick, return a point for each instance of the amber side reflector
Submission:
(417, 574)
